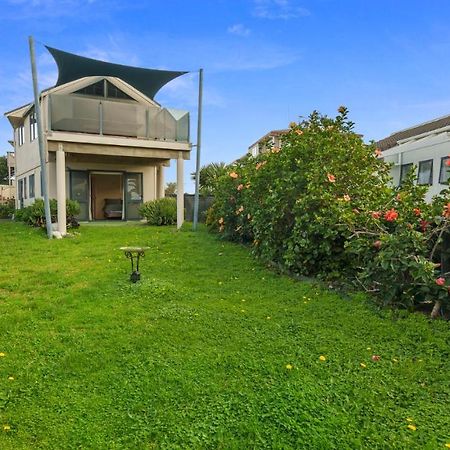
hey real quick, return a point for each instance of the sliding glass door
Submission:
(133, 195)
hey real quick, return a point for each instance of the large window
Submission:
(425, 172)
(31, 185)
(103, 88)
(404, 170)
(21, 135)
(33, 126)
(25, 187)
(445, 169)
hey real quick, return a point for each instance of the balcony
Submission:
(115, 118)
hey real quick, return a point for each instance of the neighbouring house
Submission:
(6, 193)
(269, 140)
(107, 141)
(424, 148)
(11, 165)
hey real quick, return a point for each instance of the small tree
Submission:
(171, 188)
(209, 175)
(3, 170)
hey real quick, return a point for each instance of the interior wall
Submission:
(104, 186)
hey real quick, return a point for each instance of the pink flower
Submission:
(376, 357)
(440, 281)
(376, 214)
(331, 178)
(240, 187)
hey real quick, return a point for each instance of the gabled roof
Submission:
(270, 134)
(73, 67)
(432, 125)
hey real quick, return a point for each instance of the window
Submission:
(425, 172)
(21, 135)
(31, 185)
(96, 89)
(115, 92)
(33, 126)
(404, 170)
(445, 168)
(25, 188)
(20, 193)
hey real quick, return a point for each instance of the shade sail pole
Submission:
(37, 110)
(199, 139)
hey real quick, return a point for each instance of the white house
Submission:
(107, 141)
(424, 147)
(271, 139)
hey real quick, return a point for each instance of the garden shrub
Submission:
(34, 214)
(7, 210)
(323, 205)
(160, 212)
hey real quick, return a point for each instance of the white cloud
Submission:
(239, 30)
(279, 9)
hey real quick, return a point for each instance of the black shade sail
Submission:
(73, 67)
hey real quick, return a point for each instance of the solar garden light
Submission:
(133, 253)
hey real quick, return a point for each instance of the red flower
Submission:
(417, 211)
(440, 281)
(391, 215)
(331, 178)
(424, 224)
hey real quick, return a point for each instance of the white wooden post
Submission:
(180, 190)
(61, 188)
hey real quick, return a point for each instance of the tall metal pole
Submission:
(199, 139)
(37, 110)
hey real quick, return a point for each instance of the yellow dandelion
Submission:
(242, 310)
(447, 445)
(6, 427)
(11, 378)
(369, 348)
(409, 419)
(394, 359)
(322, 358)
(268, 317)
(412, 427)
(362, 365)
(2, 354)
(289, 366)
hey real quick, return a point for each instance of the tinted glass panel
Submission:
(405, 168)
(96, 89)
(444, 173)
(425, 172)
(133, 193)
(115, 92)
(79, 191)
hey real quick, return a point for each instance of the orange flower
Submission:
(260, 164)
(346, 198)
(376, 214)
(299, 132)
(417, 211)
(446, 212)
(276, 150)
(391, 215)
(240, 187)
(378, 152)
(331, 178)
(234, 175)
(221, 221)
(447, 161)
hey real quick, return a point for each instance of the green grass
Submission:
(195, 355)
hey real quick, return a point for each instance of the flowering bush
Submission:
(322, 205)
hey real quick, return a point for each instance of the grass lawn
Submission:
(210, 350)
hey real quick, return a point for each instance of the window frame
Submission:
(32, 185)
(33, 126)
(402, 173)
(21, 135)
(430, 179)
(444, 166)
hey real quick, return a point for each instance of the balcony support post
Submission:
(160, 181)
(180, 190)
(61, 189)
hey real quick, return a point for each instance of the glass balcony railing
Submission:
(114, 118)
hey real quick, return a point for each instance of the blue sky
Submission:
(267, 62)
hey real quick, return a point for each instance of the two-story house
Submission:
(269, 140)
(107, 141)
(424, 148)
